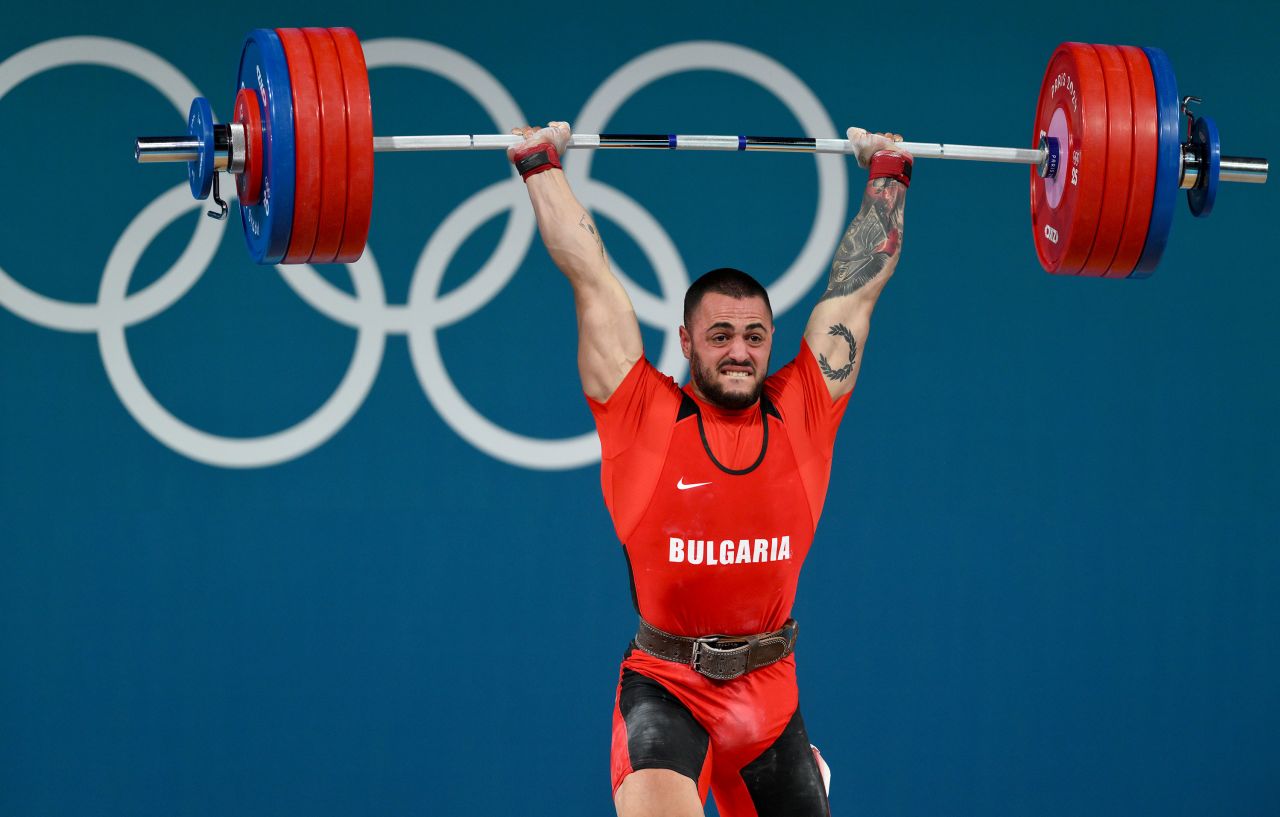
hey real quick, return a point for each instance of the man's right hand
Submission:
(867, 144)
(555, 134)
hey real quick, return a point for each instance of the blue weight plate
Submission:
(268, 223)
(1168, 162)
(200, 127)
(1204, 135)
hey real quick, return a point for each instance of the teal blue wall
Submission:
(1046, 582)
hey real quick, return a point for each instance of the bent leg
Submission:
(783, 780)
(659, 752)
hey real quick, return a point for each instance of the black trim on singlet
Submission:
(631, 577)
(785, 778)
(661, 731)
(689, 406)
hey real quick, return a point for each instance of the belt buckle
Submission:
(707, 642)
(695, 656)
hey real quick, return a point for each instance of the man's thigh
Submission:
(783, 780)
(653, 730)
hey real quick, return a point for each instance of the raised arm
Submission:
(609, 340)
(838, 326)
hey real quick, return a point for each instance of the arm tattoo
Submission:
(839, 330)
(585, 223)
(872, 240)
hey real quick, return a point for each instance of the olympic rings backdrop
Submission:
(278, 540)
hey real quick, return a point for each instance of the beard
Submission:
(705, 378)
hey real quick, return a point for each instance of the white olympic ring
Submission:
(164, 291)
(775, 78)
(199, 445)
(425, 311)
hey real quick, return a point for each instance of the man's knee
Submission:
(823, 768)
(657, 793)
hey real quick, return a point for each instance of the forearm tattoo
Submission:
(872, 241)
(839, 330)
(585, 223)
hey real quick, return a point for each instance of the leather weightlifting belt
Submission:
(720, 657)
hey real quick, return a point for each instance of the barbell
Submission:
(1108, 162)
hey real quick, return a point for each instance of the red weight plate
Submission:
(355, 77)
(249, 116)
(1146, 140)
(1072, 108)
(333, 144)
(1115, 196)
(306, 129)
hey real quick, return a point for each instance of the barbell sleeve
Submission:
(228, 148)
(147, 149)
(1248, 169)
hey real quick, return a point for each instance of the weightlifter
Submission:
(715, 490)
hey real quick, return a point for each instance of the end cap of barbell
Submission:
(1048, 167)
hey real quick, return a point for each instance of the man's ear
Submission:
(686, 342)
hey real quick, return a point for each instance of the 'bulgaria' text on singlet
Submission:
(716, 509)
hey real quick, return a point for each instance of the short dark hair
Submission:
(726, 281)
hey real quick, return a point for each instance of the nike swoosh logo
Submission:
(684, 487)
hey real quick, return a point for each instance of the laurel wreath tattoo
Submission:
(839, 330)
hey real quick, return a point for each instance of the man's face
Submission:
(728, 342)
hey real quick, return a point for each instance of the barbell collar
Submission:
(236, 154)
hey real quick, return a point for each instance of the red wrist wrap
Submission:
(533, 159)
(889, 164)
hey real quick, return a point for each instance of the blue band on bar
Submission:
(671, 141)
(742, 142)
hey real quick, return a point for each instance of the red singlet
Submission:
(716, 510)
